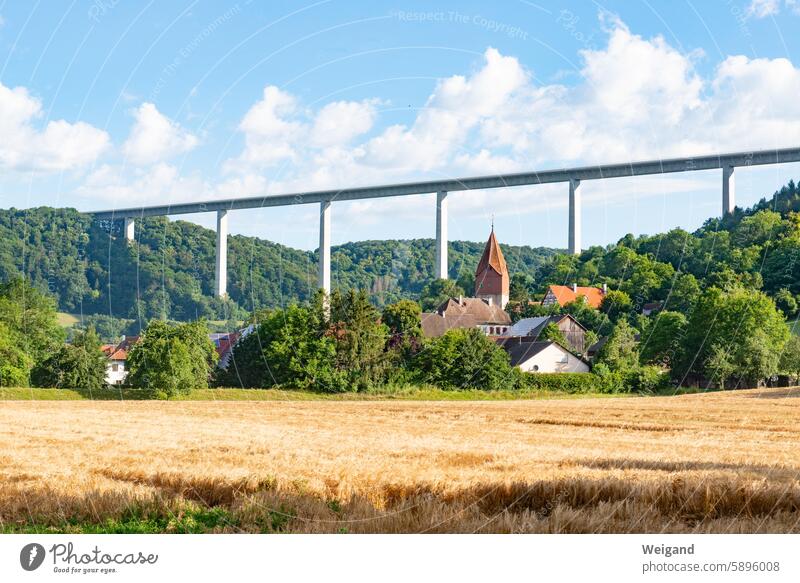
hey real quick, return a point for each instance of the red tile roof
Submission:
(565, 295)
(120, 351)
(492, 257)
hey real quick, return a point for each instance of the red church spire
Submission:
(491, 277)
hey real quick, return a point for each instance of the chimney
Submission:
(605, 289)
(489, 300)
(460, 300)
(574, 288)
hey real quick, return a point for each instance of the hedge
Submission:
(643, 379)
(563, 382)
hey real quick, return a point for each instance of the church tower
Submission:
(491, 277)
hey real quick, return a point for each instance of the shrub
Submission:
(80, 365)
(172, 359)
(15, 365)
(568, 382)
(609, 381)
(465, 359)
(646, 379)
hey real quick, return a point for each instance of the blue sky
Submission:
(113, 103)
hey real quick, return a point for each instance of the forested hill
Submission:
(169, 271)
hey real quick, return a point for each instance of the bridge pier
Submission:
(441, 235)
(728, 190)
(221, 276)
(324, 278)
(130, 229)
(574, 241)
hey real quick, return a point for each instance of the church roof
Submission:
(462, 313)
(492, 257)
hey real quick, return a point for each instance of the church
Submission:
(486, 309)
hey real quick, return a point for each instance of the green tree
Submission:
(744, 323)
(438, 291)
(172, 359)
(298, 351)
(786, 302)
(616, 304)
(662, 339)
(684, 294)
(719, 365)
(15, 365)
(79, 365)
(31, 319)
(520, 287)
(360, 339)
(759, 228)
(790, 358)
(403, 318)
(620, 352)
(590, 339)
(465, 359)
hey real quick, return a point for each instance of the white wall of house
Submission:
(554, 359)
(115, 372)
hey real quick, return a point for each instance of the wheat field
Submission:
(719, 462)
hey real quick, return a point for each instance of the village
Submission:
(523, 340)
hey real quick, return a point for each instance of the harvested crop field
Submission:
(719, 462)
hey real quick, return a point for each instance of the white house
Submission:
(117, 356)
(546, 356)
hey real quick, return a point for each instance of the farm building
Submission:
(573, 331)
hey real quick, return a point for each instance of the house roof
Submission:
(522, 349)
(564, 294)
(462, 313)
(224, 344)
(492, 257)
(595, 348)
(520, 352)
(534, 326)
(119, 351)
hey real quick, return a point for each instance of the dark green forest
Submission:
(169, 271)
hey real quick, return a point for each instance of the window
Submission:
(535, 368)
(115, 367)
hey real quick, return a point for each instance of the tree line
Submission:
(168, 273)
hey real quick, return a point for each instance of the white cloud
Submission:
(270, 133)
(276, 129)
(339, 122)
(155, 138)
(763, 8)
(59, 146)
(159, 183)
(455, 108)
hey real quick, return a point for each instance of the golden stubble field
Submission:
(721, 462)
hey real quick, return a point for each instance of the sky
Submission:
(114, 103)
